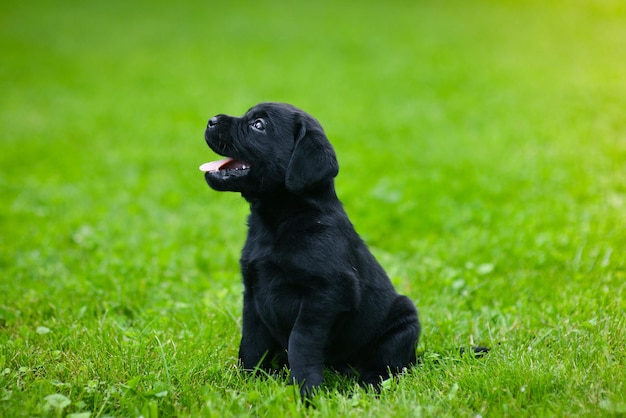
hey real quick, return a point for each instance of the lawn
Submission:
(482, 148)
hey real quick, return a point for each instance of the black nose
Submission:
(212, 122)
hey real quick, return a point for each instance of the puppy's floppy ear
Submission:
(313, 160)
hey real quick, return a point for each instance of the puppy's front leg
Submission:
(258, 348)
(307, 342)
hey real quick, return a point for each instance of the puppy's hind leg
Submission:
(394, 350)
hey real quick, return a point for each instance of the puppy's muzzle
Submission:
(212, 128)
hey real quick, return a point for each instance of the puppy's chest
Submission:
(276, 296)
(276, 284)
(274, 253)
(270, 279)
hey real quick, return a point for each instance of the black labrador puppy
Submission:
(314, 295)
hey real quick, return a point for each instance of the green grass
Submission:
(483, 158)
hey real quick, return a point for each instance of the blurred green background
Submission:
(482, 149)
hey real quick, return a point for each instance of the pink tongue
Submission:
(215, 165)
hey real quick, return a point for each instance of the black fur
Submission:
(314, 295)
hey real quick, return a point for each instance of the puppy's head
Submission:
(272, 148)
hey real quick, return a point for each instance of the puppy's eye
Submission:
(259, 125)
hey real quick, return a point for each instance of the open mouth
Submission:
(226, 167)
